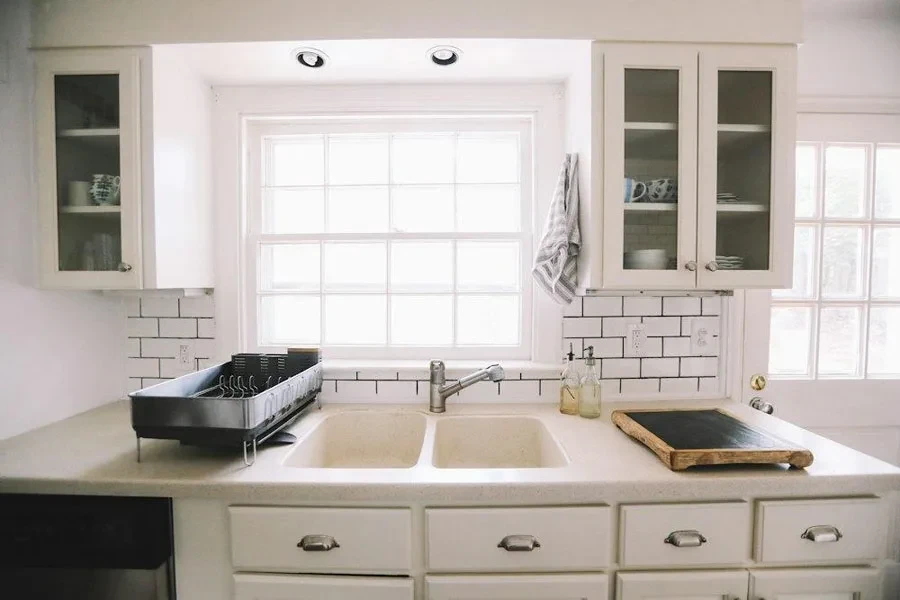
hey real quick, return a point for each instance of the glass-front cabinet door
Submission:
(650, 167)
(88, 167)
(746, 167)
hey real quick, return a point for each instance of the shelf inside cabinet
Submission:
(650, 140)
(90, 210)
(93, 136)
(651, 206)
(733, 135)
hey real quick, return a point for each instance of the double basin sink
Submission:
(373, 439)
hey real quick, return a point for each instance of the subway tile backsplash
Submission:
(157, 326)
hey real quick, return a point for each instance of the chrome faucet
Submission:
(439, 389)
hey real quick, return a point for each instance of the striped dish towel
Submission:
(554, 263)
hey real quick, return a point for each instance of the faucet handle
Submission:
(436, 371)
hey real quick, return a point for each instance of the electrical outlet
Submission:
(703, 341)
(186, 357)
(636, 340)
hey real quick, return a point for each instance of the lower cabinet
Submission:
(696, 585)
(321, 587)
(821, 584)
(520, 587)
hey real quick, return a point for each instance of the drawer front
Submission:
(371, 540)
(685, 534)
(820, 531)
(292, 587)
(518, 539)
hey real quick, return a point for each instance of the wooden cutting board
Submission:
(686, 438)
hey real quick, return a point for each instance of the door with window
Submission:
(830, 345)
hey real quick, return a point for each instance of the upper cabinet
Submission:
(691, 170)
(124, 201)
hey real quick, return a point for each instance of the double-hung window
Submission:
(390, 237)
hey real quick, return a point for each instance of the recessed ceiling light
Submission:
(444, 56)
(310, 57)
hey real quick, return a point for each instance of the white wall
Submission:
(850, 48)
(60, 353)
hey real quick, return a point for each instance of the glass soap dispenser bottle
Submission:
(589, 400)
(569, 386)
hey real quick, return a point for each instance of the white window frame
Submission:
(234, 108)
(258, 131)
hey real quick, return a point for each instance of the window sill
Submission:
(408, 370)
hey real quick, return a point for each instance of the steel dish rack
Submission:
(245, 401)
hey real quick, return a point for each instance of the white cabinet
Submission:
(694, 585)
(521, 587)
(123, 166)
(814, 584)
(691, 167)
(297, 587)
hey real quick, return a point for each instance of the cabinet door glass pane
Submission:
(651, 169)
(743, 171)
(88, 181)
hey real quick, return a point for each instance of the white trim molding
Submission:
(860, 105)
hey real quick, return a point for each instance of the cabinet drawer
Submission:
(518, 539)
(684, 534)
(291, 587)
(376, 540)
(812, 531)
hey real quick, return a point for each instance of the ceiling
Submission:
(382, 61)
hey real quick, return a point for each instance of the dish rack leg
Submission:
(247, 462)
(138, 448)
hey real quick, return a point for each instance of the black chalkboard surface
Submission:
(686, 438)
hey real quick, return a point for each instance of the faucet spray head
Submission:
(495, 372)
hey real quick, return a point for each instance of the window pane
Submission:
(884, 340)
(357, 209)
(355, 266)
(294, 211)
(422, 266)
(887, 182)
(845, 181)
(290, 267)
(422, 320)
(484, 266)
(297, 161)
(487, 158)
(422, 208)
(886, 263)
(356, 320)
(842, 262)
(839, 331)
(807, 178)
(285, 320)
(789, 340)
(355, 159)
(422, 158)
(488, 208)
(487, 320)
(805, 251)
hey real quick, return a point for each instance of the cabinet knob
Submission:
(691, 265)
(712, 266)
(317, 543)
(821, 534)
(761, 405)
(685, 538)
(519, 543)
(124, 267)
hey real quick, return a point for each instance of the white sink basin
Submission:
(362, 440)
(495, 442)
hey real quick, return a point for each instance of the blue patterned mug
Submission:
(105, 189)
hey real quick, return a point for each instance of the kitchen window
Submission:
(391, 238)
(841, 319)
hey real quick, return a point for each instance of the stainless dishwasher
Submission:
(86, 547)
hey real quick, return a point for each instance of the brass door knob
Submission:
(758, 382)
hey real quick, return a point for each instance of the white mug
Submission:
(79, 193)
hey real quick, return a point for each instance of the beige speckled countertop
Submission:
(94, 453)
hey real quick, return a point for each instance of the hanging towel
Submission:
(554, 263)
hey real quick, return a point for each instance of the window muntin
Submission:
(841, 318)
(398, 237)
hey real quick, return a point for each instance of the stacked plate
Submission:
(727, 198)
(730, 263)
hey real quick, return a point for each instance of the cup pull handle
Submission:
(519, 543)
(685, 538)
(821, 534)
(317, 543)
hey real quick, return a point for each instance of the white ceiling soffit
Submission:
(381, 61)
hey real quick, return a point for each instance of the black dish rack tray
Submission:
(242, 402)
